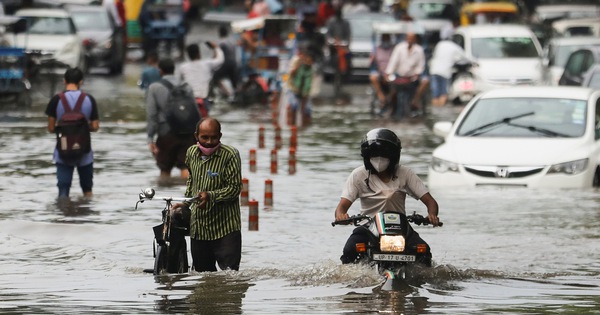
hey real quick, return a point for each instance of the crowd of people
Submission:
(193, 145)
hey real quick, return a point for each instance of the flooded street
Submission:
(501, 251)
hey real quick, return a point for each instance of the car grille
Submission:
(510, 81)
(503, 171)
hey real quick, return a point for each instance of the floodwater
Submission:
(500, 251)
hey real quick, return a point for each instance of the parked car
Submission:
(537, 137)
(578, 63)
(50, 39)
(577, 27)
(505, 55)
(592, 77)
(558, 50)
(102, 38)
(548, 11)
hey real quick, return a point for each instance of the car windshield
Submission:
(424, 10)
(91, 21)
(525, 118)
(50, 25)
(562, 54)
(362, 28)
(503, 47)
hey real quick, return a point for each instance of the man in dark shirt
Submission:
(229, 68)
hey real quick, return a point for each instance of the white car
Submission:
(505, 55)
(50, 37)
(557, 52)
(538, 137)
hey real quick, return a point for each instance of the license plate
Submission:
(393, 257)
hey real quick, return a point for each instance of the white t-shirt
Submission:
(445, 54)
(380, 196)
(198, 73)
(404, 62)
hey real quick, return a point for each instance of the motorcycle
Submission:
(387, 249)
(169, 245)
(462, 84)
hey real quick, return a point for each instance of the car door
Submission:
(576, 65)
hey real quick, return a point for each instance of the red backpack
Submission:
(73, 131)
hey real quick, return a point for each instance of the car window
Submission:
(363, 28)
(50, 25)
(563, 52)
(90, 21)
(597, 120)
(575, 63)
(565, 116)
(503, 47)
(588, 61)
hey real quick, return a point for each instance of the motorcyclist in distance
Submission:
(382, 184)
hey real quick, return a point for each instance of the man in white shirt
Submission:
(445, 54)
(198, 73)
(406, 64)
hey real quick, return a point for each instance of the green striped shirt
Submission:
(221, 176)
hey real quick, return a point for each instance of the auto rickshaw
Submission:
(163, 21)
(14, 85)
(267, 44)
(489, 12)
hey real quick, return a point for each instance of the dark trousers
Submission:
(64, 175)
(226, 251)
(360, 235)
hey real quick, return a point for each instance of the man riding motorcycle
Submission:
(382, 184)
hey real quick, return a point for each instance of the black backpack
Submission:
(73, 131)
(182, 111)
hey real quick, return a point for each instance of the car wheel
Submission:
(116, 68)
(596, 182)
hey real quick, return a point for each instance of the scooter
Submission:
(387, 248)
(169, 245)
(462, 84)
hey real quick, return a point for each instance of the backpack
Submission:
(73, 131)
(182, 111)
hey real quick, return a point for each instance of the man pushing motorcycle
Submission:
(382, 184)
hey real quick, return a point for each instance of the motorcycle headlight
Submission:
(392, 243)
(569, 168)
(443, 166)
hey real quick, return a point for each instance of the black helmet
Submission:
(381, 142)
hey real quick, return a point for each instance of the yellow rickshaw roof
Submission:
(482, 7)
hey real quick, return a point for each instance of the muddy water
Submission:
(504, 251)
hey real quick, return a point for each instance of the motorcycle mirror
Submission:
(149, 193)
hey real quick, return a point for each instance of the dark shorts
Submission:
(172, 149)
(225, 251)
(439, 86)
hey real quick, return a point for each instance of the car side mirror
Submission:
(442, 128)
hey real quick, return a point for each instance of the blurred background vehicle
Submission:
(558, 50)
(579, 62)
(102, 38)
(497, 12)
(521, 137)
(433, 15)
(504, 54)
(589, 26)
(50, 40)
(548, 11)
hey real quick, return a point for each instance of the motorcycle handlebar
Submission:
(414, 218)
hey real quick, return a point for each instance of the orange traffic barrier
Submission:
(274, 161)
(292, 161)
(261, 137)
(253, 215)
(275, 107)
(244, 193)
(252, 160)
(268, 193)
(277, 137)
(293, 136)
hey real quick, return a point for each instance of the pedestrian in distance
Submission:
(229, 69)
(198, 73)
(445, 55)
(299, 86)
(72, 115)
(216, 179)
(381, 183)
(150, 73)
(171, 117)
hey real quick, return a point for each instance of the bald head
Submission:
(208, 132)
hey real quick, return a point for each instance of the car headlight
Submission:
(392, 243)
(443, 166)
(569, 168)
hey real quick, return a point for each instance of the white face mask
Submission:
(379, 163)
